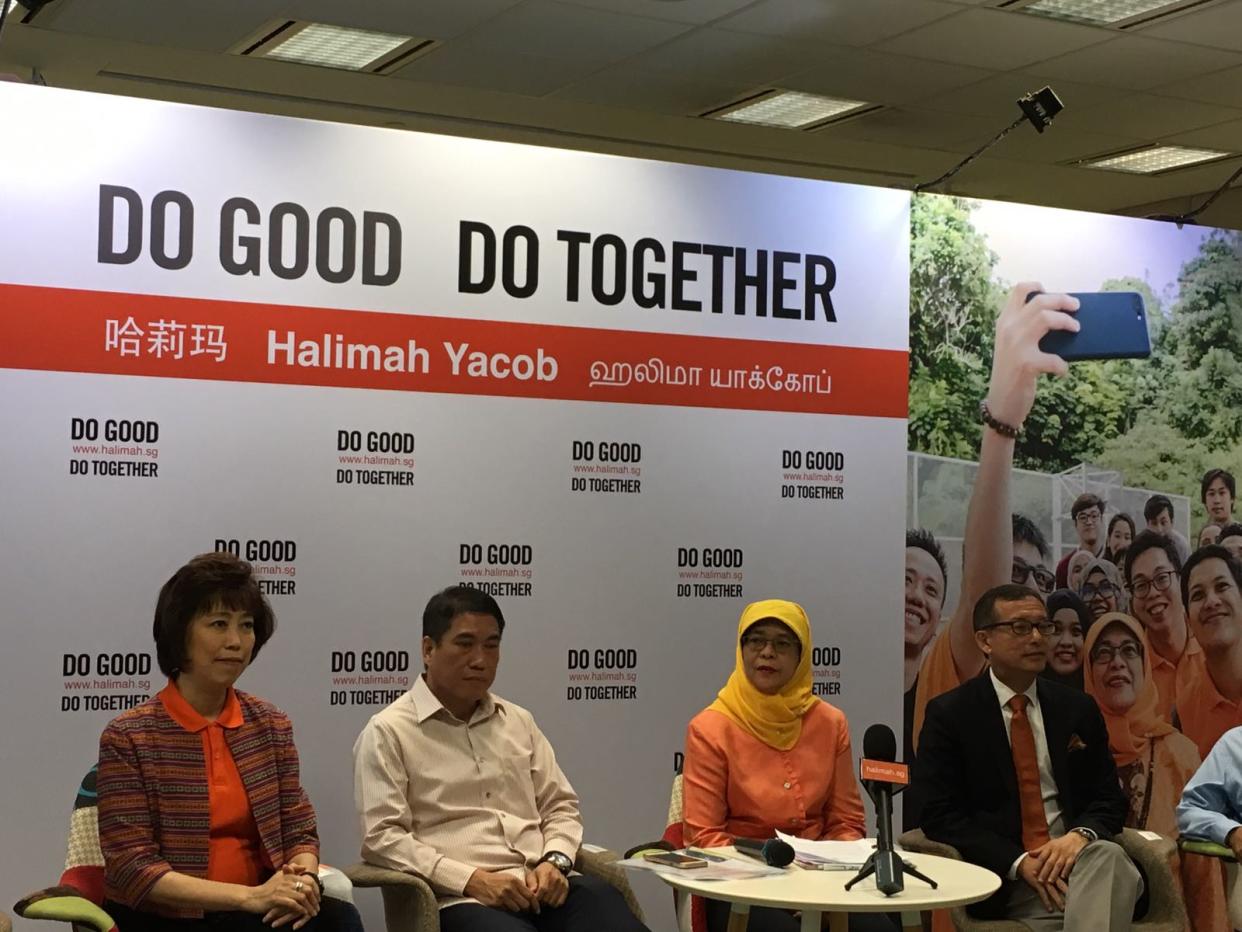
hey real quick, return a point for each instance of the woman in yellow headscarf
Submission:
(1154, 761)
(767, 754)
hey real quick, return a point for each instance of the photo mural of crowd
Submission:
(1144, 620)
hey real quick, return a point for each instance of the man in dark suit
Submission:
(1019, 778)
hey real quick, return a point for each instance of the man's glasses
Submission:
(1088, 517)
(1104, 654)
(1022, 571)
(1023, 628)
(1160, 582)
(1104, 590)
(755, 643)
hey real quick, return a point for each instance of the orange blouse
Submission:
(734, 785)
(234, 850)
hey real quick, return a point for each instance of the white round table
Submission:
(815, 893)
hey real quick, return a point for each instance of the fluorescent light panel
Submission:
(1156, 159)
(788, 110)
(1097, 11)
(335, 46)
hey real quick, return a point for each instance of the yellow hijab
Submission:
(774, 720)
(1130, 733)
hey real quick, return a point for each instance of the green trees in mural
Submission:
(1161, 421)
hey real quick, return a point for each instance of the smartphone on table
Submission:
(1112, 325)
(679, 861)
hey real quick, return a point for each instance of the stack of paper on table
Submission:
(842, 854)
(726, 869)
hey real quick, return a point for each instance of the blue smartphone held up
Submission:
(1113, 325)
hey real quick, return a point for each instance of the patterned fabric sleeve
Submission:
(297, 817)
(132, 858)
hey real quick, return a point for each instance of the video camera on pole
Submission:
(881, 777)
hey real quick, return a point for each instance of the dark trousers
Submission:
(766, 919)
(591, 906)
(334, 916)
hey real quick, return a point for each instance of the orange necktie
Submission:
(1031, 797)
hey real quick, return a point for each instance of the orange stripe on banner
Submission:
(188, 338)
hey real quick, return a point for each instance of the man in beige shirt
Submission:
(460, 787)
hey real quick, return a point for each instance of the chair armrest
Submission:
(363, 874)
(1165, 912)
(336, 884)
(409, 902)
(602, 864)
(64, 904)
(919, 843)
(1209, 848)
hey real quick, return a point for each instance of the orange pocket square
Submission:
(1076, 744)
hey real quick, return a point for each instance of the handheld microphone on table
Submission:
(881, 777)
(773, 852)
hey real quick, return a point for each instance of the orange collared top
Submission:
(1204, 713)
(235, 851)
(1174, 679)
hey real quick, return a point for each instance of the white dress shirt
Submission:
(441, 798)
(1047, 784)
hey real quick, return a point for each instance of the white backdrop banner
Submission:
(625, 397)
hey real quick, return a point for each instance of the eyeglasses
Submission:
(1104, 654)
(1088, 517)
(1160, 582)
(1022, 571)
(755, 643)
(1104, 590)
(1023, 628)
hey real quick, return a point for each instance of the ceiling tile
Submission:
(995, 39)
(1138, 63)
(1219, 25)
(1146, 116)
(198, 25)
(697, 12)
(864, 74)
(997, 96)
(652, 93)
(428, 19)
(1050, 147)
(462, 65)
(841, 22)
(545, 29)
(915, 128)
(1221, 87)
(724, 57)
(1226, 136)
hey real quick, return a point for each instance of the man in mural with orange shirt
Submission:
(998, 547)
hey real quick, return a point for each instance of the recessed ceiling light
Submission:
(1155, 159)
(788, 110)
(1099, 12)
(332, 46)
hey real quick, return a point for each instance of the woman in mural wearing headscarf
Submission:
(1153, 759)
(1073, 570)
(1102, 589)
(768, 755)
(1065, 654)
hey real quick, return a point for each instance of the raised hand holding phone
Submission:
(1112, 325)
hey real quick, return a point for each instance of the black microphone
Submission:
(879, 772)
(773, 851)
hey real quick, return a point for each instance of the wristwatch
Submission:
(562, 862)
(1086, 833)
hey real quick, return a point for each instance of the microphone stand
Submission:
(885, 863)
